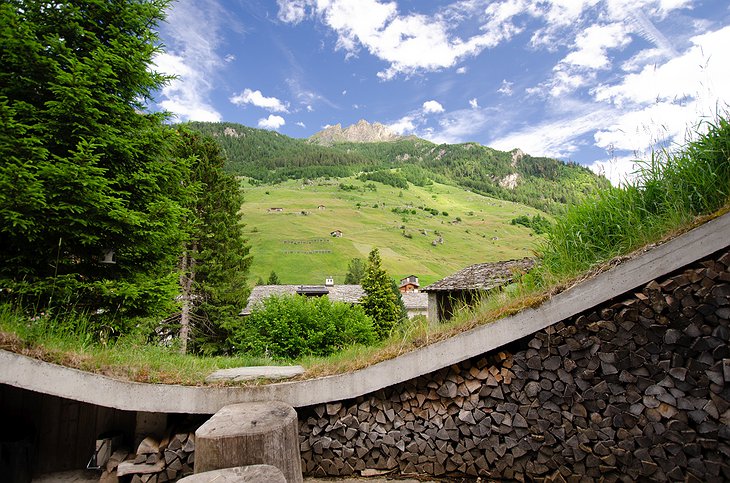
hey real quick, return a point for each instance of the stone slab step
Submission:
(237, 374)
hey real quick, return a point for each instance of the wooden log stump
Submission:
(240, 474)
(250, 434)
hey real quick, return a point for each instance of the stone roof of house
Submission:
(482, 276)
(336, 293)
(415, 300)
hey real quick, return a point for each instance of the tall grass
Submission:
(669, 191)
(71, 339)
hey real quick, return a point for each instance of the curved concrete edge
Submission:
(35, 375)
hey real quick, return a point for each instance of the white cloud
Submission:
(593, 43)
(458, 126)
(461, 70)
(643, 58)
(404, 125)
(413, 42)
(432, 107)
(659, 103)
(256, 98)
(271, 122)
(555, 137)
(191, 56)
(474, 103)
(301, 124)
(643, 128)
(651, 108)
(229, 58)
(292, 11)
(307, 97)
(506, 88)
(707, 61)
(594, 33)
(619, 171)
(409, 43)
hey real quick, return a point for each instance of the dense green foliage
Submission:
(291, 326)
(215, 257)
(380, 302)
(391, 178)
(84, 172)
(355, 272)
(538, 224)
(106, 212)
(669, 191)
(270, 157)
(544, 183)
(273, 279)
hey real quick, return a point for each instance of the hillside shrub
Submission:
(416, 175)
(389, 178)
(538, 224)
(291, 326)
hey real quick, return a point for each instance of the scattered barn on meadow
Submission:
(466, 286)
(275, 210)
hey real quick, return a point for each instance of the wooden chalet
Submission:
(409, 284)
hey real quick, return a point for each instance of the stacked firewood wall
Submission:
(154, 461)
(635, 389)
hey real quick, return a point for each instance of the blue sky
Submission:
(595, 82)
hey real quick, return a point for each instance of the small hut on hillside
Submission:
(466, 286)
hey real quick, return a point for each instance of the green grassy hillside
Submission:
(296, 242)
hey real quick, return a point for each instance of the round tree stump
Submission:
(240, 474)
(263, 433)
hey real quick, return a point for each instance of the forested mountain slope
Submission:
(543, 183)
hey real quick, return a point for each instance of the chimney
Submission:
(329, 282)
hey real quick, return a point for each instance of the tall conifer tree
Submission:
(379, 302)
(215, 257)
(87, 177)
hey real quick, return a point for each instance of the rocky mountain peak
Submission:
(361, 132)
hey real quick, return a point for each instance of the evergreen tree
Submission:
(273, 279)
(355, 271)
(214, 262)
(402, 311)
(86, 175)
(379, 302)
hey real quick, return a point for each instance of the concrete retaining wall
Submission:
(636, 388)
